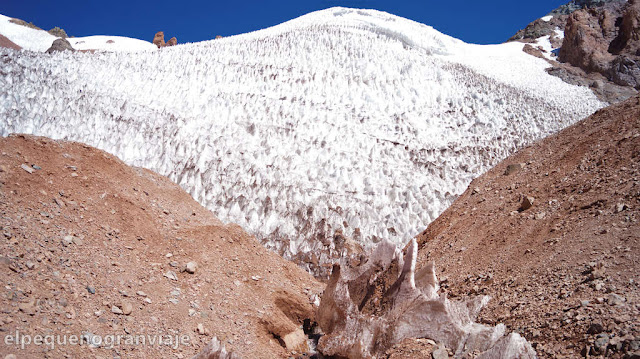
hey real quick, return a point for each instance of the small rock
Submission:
(513, 168)
(116, 310)
(527, 202)
(200, 329)
(67, 241)
(615, 299)
(91, 289)
(440, 353)
(191, 267)
(28, 308)
(30, 265)
(620, 207)
(601, 342)
(595, 328)
(10, 356)
(26, 168)
(171, 275)
(126, 307)
(141, 293)
(296, 340)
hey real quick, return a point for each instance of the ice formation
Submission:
(342, 119)
(215, 350)
(368, 308)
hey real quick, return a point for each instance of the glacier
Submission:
(346, 120)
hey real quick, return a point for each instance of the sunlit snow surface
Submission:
(40, 40)
(111, 43)
(341, 119)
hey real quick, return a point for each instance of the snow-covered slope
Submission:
(111, 43)
(25, 37)
(341, 119)
(40, 40)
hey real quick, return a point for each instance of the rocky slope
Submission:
(92, 247)
(596, 43)
(552, 234)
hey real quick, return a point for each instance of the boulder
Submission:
(172, 42)
(60, 45)
(158, 39)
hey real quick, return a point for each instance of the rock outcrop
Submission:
(158, 40)
(599, 48)
(60, 45)
(58, 32)
(172, 41)
(598, 40)
(367, 309)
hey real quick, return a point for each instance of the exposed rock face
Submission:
(585, 41)
(60, 45)
(600, 45)
(158, 40)
(600, 40)
(367, 309)
(627, 39)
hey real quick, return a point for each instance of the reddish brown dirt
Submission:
(571, 260)
(5, 42)
(125, 221)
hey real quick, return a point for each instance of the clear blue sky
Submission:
(472, 21)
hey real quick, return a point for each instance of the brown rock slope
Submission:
(90, 246)
(564, 272)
